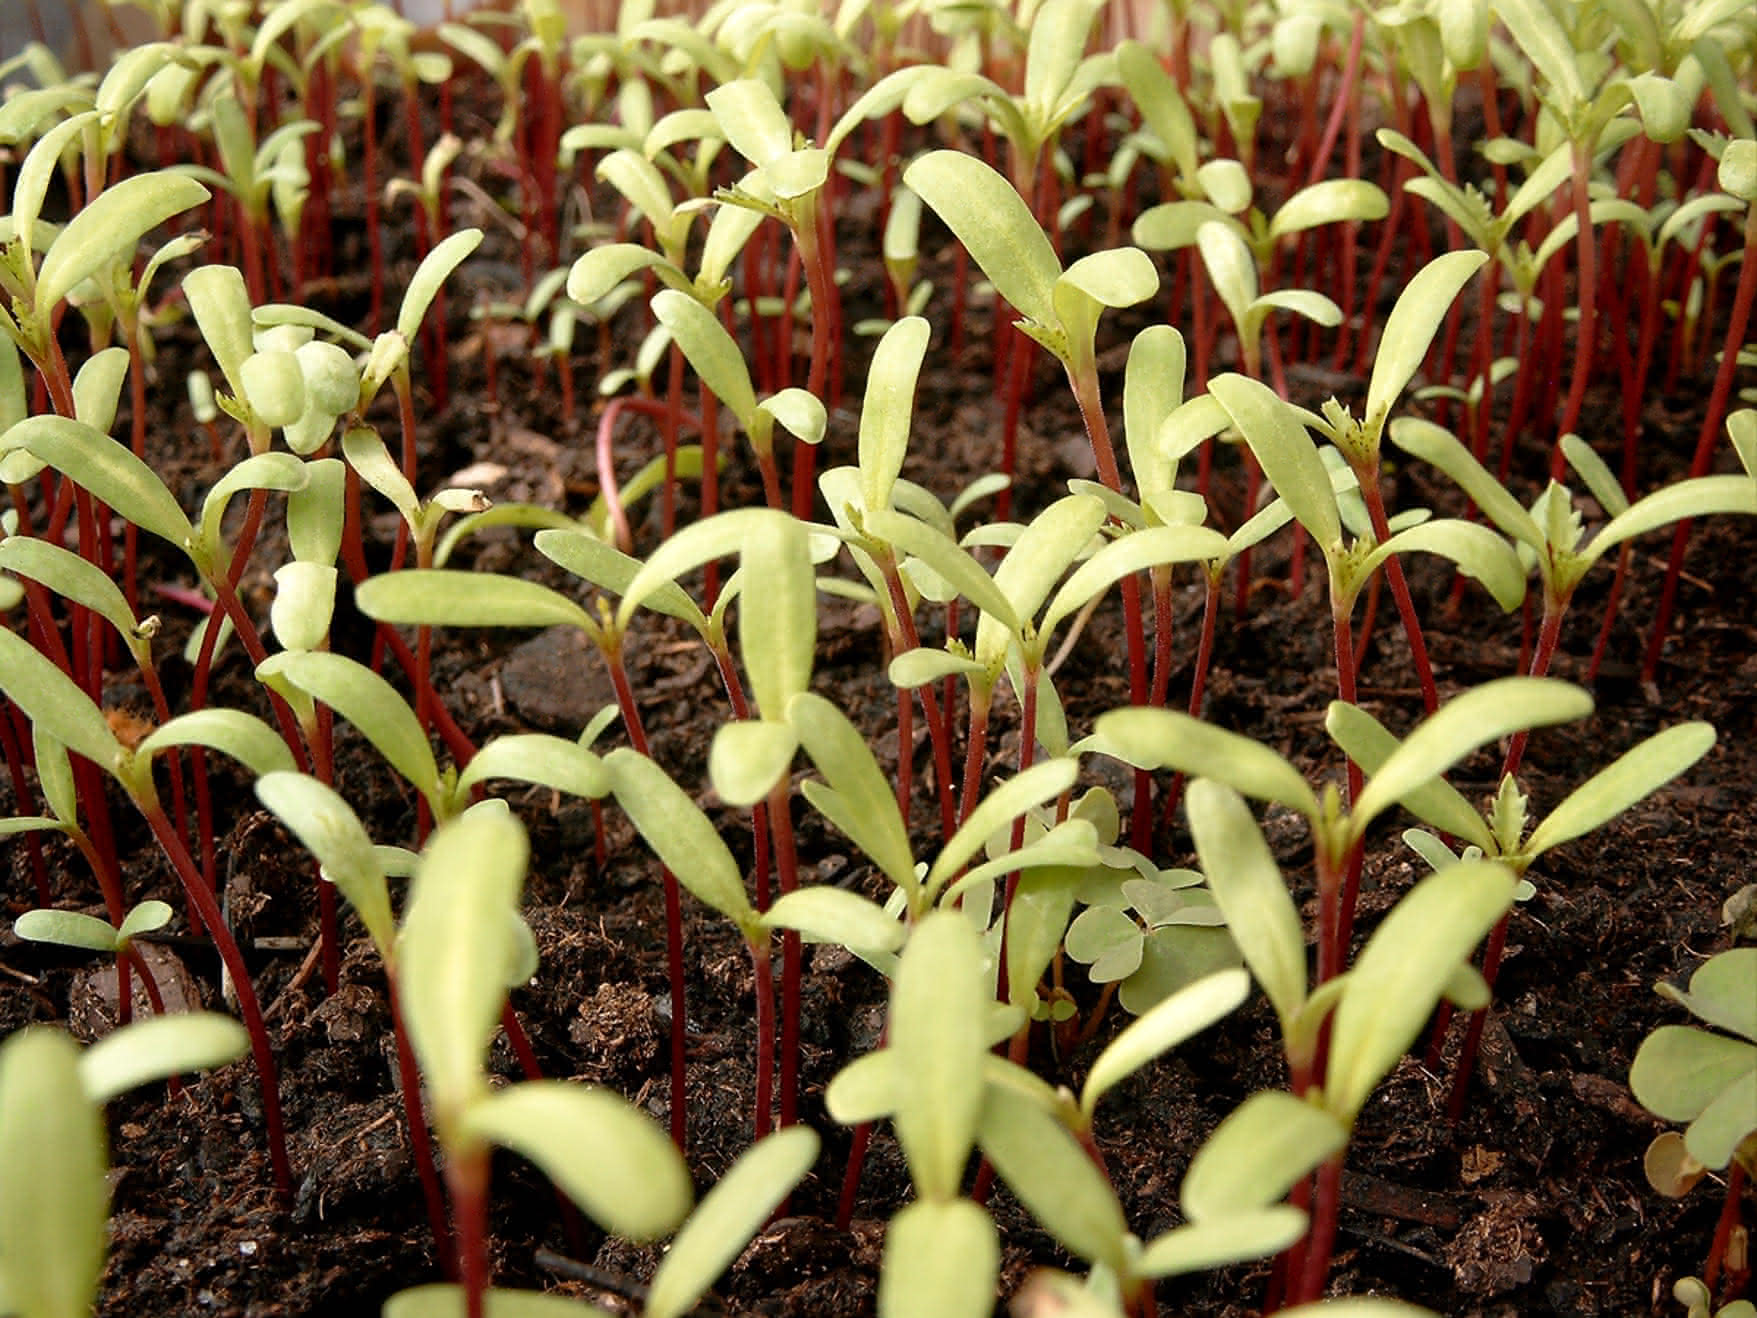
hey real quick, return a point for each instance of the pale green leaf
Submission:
(109, 227)
(1259, 1153)
(107, 470)
(1479, 552)
(1632, 777)
(1703, 497)
(51, 700)
(1153, 387)
(446, 1300)
(1166, 739)
(726, 1219)
(536, 757)
(1423, 439)
(158, 1047)
(1721, 992)
(846, 761)
(66, 929)
(454, 949)
(1410, 328)
(1679, 1070)
(1182, 1015)
(1365, 741)
(435, 597)
(752, 120)
(232, 732)
(598, 1148)
(942, 554)
(777, 625)
(435, 268)
(53, 1198)
(824, 914)
(607, 567)
(1039, 1158)
(997, 810)
(936, 1008)
(885, 414)
(749, 758)
(1221, 1241)
(677, 830)
(1403, 971)
(72, 577)
(328, 828)
(1478, 717)
(996, 227)
(1289, 458)
(710, 350)
(367, 701)
(1251, 894)
(1332, 201)
(1232, 270)
(941, 1260)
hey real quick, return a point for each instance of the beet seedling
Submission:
(461, 943)
(1502, 836)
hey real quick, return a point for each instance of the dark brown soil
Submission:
(1534, 1204)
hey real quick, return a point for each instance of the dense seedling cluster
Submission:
(1180, 214)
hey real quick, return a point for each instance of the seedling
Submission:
(1684, 1073)
(54, 1199)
